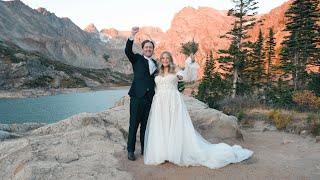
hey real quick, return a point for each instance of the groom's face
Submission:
(148, 49)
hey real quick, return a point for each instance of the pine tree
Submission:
(209, 67)
(243, 12)
(258, 61)
(204, 86)
(300, 47)
(270, 49)
(212, 88)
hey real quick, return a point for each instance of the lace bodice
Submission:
(167, 82)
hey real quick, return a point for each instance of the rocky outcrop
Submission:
(91, 28)
(58, 38)
(84, 145)
(20, 69)
(10, 131)
(205, 25)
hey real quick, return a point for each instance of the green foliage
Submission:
(212, 88)
(190, 47)
(240, 115)
(237, 53)
(254, 71)
(314, 83)
(300, 47)
(280, 95)
(270, 49)
(181, 86)
(42, 81)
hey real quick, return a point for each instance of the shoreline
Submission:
(32, 93)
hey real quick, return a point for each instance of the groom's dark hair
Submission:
(145, 42)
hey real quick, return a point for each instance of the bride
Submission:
(170, 135)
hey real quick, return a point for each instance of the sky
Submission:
(124, 14)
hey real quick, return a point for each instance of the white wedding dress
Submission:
(170, 135)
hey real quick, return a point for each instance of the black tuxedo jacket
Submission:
(143, 83)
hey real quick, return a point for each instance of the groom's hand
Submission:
(134, 31)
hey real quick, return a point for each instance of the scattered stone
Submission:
(286, 141)
(20, 128)
(304, 133)
(7, 135)
(269, 128)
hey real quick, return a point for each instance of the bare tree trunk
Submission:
(295, 78)
(234, 83)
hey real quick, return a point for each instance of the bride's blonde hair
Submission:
(172, 66)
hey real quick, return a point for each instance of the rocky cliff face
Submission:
(20, 69)
(59, 38)
(274, 19)
(205, 25)
(91, 28)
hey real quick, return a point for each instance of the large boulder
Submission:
(205, 119)
(80, 147)
(85, 146)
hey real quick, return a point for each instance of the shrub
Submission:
(241, 115)
(72, 83)
(314, 122)
(280, 95)
(279, 119)
(306, 100)
(42, 81)
(234, 106)
(106, 57)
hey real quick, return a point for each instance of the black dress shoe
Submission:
(131, 156)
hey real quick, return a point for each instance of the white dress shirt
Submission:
(152, 66)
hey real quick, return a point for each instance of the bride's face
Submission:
(165, 60)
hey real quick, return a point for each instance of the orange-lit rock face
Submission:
(274, 19)
(91, 28)
(205, 25)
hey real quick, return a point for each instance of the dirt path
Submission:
(277, 155)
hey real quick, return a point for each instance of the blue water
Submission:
(49, 109)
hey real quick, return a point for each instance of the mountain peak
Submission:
(43, 11)
(14, 3)
(91, 28)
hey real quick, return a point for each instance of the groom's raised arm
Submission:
(128, 50)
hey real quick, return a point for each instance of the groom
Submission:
(141, 91)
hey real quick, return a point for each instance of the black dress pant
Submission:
(139, 112)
